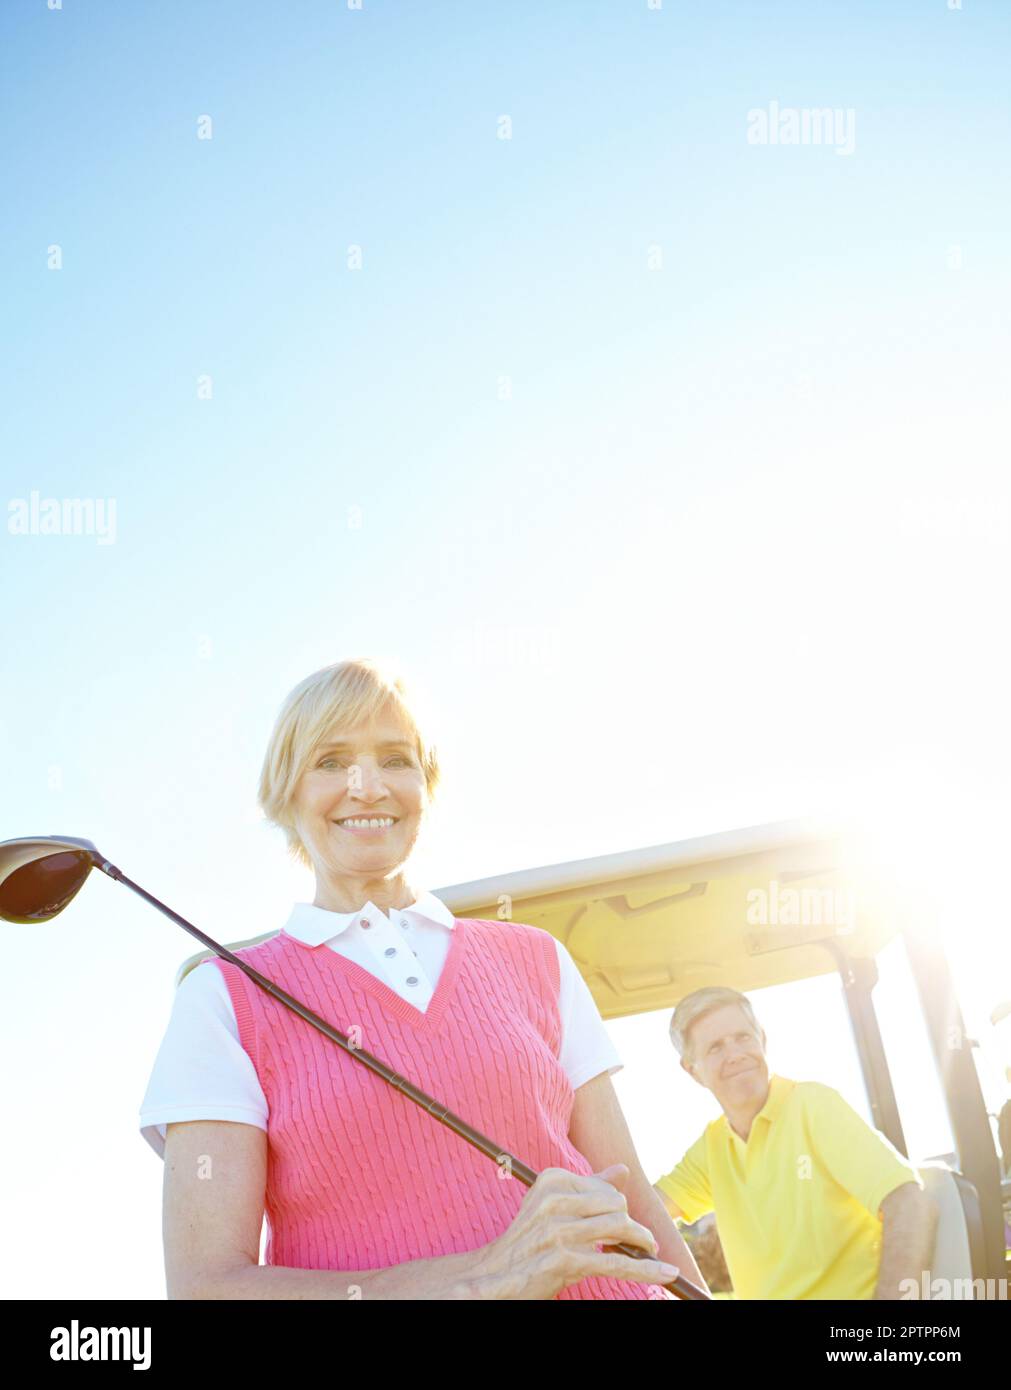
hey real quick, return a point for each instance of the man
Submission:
(810, 1202)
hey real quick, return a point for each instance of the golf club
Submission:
(42, 874)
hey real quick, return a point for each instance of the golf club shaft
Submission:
(680, 1286)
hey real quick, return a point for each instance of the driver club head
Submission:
(41, 874)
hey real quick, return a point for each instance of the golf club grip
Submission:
(681, 1286)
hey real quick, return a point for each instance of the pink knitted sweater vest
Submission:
(358, 1176)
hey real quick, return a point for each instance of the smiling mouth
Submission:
(367, 825)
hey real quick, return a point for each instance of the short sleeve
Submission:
(859, 1158)
(202, 1071)
(586, 1046)
(687, 1185)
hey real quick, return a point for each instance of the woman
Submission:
(366, 1195)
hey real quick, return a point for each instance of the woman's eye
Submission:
(398, 759)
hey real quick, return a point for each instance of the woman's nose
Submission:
(370, 780)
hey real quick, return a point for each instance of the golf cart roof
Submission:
(747, 908)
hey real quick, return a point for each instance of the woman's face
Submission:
(365, 774)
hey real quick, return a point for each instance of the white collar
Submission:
(315, 925)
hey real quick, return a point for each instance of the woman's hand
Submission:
(552, 1240)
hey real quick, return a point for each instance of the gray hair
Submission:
(704, 1001)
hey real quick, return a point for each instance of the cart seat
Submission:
(959, 1252)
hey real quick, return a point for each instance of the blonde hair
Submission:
(335, 697)
(695, 1006)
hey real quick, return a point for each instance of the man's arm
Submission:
(871, 1169)
(598, 1130)
(907, 1241)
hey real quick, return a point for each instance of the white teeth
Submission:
(369, 824)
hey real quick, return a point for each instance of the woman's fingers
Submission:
(555, 1239)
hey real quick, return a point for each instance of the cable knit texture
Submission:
(358, 1176)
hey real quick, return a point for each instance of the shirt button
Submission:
(390, 951)
(366, 922)
(412, 979)
(402, 922)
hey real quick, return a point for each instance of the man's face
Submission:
(727, 1056)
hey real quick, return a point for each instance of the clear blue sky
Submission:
(671, 466)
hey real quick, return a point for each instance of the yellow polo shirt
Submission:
(797, 1205)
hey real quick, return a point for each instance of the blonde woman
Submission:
(366, 1195)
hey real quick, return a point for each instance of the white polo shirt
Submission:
(202, 1071)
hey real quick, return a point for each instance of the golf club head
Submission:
(40, 875)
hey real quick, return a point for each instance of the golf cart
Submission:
(772, 905)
